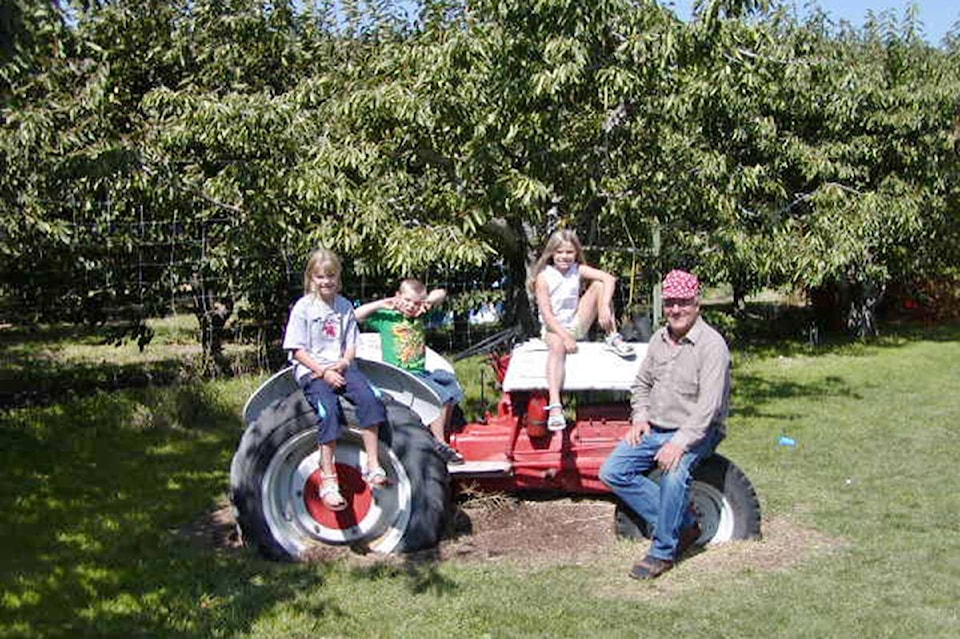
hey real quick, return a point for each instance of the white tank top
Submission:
(564, 291)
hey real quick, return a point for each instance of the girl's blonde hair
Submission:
(561, 236)
(324, 261)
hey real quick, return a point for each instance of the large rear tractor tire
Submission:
(275, 479)
(723, 497)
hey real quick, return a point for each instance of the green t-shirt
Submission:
(402, 339)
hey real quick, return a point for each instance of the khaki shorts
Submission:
(576, 329)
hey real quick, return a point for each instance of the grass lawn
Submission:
(101, 494)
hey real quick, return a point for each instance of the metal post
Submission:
(657, 310)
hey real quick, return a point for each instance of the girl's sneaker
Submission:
(614, 342)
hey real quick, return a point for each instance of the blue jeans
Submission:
(663, 505)
(325, 399)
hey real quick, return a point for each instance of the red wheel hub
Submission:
(355, 491)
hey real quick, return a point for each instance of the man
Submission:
(680, 400)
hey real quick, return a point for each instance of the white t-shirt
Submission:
(564, 291)
(323, 331)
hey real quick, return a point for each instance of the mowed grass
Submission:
(104, 496)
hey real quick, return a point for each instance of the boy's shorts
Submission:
(444, 383)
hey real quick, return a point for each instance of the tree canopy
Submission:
(207, 145)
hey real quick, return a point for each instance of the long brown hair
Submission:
(557, 238)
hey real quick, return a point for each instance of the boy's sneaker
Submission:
(448, 454)
(614, 342)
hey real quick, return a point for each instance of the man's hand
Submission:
(668, 457)
(569, 343)
(636, 433)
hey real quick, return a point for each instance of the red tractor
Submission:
(274, 477)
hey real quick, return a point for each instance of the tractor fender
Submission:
(405, 389)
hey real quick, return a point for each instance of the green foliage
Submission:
(768, 152)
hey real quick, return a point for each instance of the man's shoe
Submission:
(448, 454)
(650, 568)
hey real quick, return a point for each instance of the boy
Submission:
(399, 321)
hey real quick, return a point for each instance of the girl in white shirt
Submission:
(566, 315)
(321, 338)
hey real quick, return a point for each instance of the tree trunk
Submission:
(513, 244)
(212, 315)
(847, 307)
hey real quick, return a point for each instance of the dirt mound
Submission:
(531, 534)
(559, 531)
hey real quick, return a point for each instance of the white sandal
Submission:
(330, 493)
(375, 477)
(556, 422)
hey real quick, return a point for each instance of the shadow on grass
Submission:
(752, 393)
(419, 571)
(34, 370)
(93, 497)
(770, 330)
(43, 382)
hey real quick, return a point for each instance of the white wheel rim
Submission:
(284, 497)
(716, 513)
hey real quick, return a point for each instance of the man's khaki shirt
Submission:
(684, 386)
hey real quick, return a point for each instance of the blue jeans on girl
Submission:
(326, 401)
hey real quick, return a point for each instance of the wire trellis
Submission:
(128, 264)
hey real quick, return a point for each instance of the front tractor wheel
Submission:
(275, 482)
(723, 497)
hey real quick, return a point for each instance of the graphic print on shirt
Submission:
(331, 326)
(410, 343)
